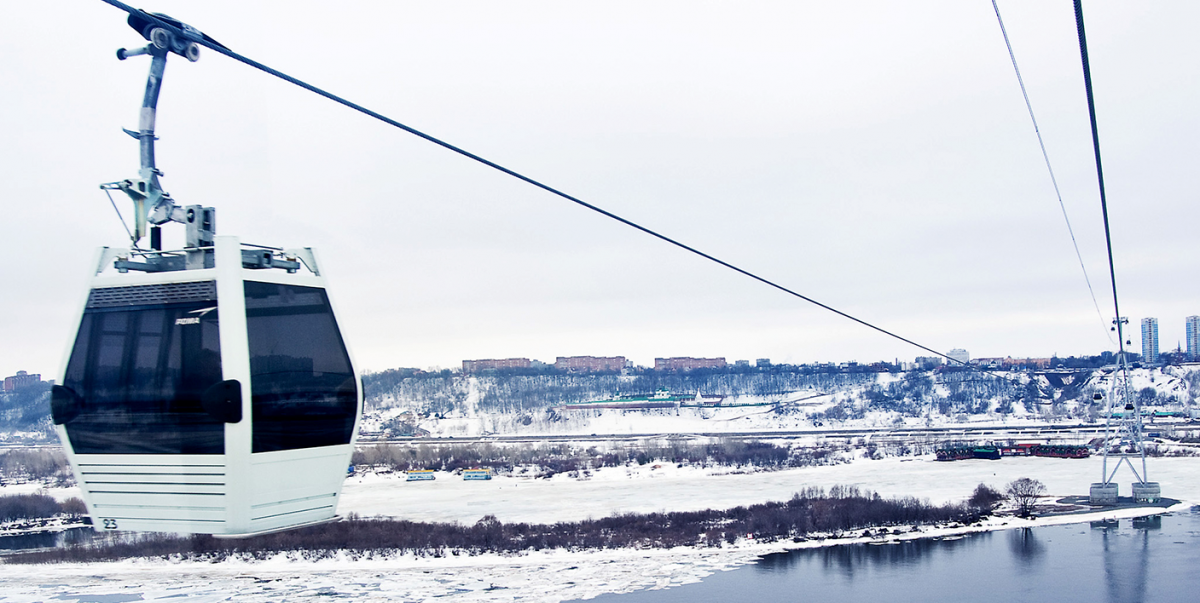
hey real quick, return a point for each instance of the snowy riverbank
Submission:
(564, 575)
(545, 576)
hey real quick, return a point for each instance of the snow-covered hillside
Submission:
(468, 406)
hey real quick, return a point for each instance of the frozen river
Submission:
(1145, 560)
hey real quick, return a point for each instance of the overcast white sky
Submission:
(876, 156)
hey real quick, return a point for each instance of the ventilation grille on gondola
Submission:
(152, 294)
(155, 493)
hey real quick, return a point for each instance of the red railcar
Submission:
(1017, 450)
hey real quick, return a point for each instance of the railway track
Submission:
(1066, 432)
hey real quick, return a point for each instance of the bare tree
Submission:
(984, 499)
(1024, 492)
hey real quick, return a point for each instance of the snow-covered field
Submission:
(642, 489)
(557, 575)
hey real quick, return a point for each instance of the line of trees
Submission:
(547, 460)
(812, 511)
(46, 465)
(38, 505)
(27, 411)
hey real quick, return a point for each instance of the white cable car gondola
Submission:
(208, 390)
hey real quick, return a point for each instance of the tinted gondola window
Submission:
(302, 387)
(140, 371)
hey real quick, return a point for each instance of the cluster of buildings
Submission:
(490, 364)
(602, 364)
(1150, 338)
(687, 364)
(572, 364)
(1150, 350)
(596, 364)
(590, 364)
(1007, 363)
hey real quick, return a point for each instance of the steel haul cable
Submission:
(342, 101)
(1046, 156)
(1087, 82)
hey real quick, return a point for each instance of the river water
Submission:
(45, 540)
(1147, 560)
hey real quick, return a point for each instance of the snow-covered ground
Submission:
(546, 576)
(731, 420)
(559, 575)
(643, 489)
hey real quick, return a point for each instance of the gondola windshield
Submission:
(303, 389)
(139, 372)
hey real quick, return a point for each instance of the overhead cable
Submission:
(342, 101)
(120, 217)
(1053, 180)
(1087, 82)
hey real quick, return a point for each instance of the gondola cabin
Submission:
(208, 391)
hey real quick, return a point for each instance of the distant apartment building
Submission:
(926, 363)
(687, 364)
(475, 366)
(741, 363)
(589, 364)
(19, 380)
(1150, 340)
(762, 362)
(1193, 337)
(960, 355)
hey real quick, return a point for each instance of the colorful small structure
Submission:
(420, 475)
(476, 474)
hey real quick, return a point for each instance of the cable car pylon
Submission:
(1124, 438)
(1129, 440)
(208, 389)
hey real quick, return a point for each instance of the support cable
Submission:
(120, 217)
(342, 101)
(1136, 424)
(1087, 81)
(1053, 180)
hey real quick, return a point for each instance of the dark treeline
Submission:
(840, 511)
(968, 392)
(27, 410)
(38, 506)
(549, 459)
(46, 465)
